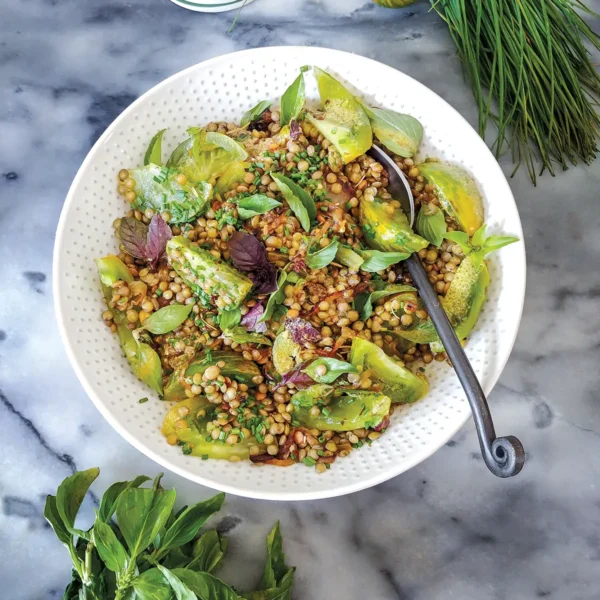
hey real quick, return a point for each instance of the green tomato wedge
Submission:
(343, 122)
(154, 152)
(231, 177)
(400, 384)
(352, 409)
(206, 155)
(112, 269)
(463, 303)
(388, 232)
(286, 353)
(236, 367)
(207, 275)
(457, 193)
(193, 435)
(143, 360)
(157, 188)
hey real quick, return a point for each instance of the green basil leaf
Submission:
(400, 134)
(277, 297)
(108, 503)
(140, 515)
(182, 591)
(109, 548)
(230, 318)
(275, 567)
(151, 585)
(173, 558)
(495, 242)
(258, 204)
(53, 517)
(167, 318)
(147, 367)
(240, 336)
(363, 303)
(300, 201)
(347, 257)
(320, 259)
(292, 101)
(70, 495)
(375, 260)
(460, 238)
(282, 592)
(254, 113)
(189, 522)
(478, 237)
(206, 586)
(431, 224)
(154, 152)
(334, 367)
(208, 552)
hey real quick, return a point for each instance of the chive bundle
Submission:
(531, 75)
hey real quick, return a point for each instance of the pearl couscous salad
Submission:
(259, 287)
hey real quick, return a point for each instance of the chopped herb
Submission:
(222, 436)
(322, 439)
(159, 292)
(208, 438)
(320, 453)
(142, 400)
(204, 457)
(325, 411)
(309, 461)
(327, 466)
(186, 449)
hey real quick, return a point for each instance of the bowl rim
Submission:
(240, 490)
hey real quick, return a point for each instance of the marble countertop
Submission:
(446, 529)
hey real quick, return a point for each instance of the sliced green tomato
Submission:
(154, 152)
(400, 384)
(236, 367)
(112, 269)
(205, 274)
(206, 155)
(285, 353)
(157, 188)
(353, 409)
(388, 232)
(457, 193)
(344, 122)
(231, 177)
(464, 300)
(463, 303)
(195, 434)
(143, 360)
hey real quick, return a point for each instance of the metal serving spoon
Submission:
(504, 456)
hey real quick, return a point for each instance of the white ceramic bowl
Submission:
(223, 89)
(212, 6)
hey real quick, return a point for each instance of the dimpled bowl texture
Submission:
(222, 89)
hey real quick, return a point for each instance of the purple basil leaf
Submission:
(294, 130)
(265, 279)
(302, 331)
(159, 233)
(249, 255)
(250, 319)
(247, 252)
(133, 235)
(297, 377)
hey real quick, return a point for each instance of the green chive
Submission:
(309, 461)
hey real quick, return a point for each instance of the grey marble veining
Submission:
(446, 529)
